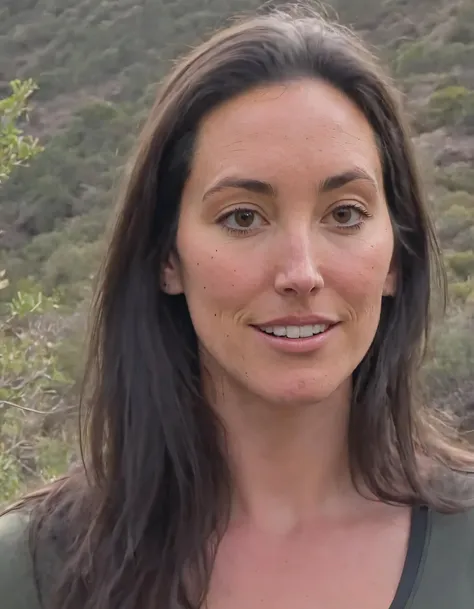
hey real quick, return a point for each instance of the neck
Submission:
(289, 462)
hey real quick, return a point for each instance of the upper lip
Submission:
(294, 320)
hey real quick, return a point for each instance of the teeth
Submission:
(295, 331)
(306, 331)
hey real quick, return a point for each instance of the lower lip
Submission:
(296, 345)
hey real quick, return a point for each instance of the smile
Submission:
(293, 332)
(296, 338)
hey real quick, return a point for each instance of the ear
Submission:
(171, 281)
(390, 285)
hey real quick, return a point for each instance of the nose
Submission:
(298, 272)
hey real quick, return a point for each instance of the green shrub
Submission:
(462, 263)
(35, 391)
(422, 57)
(452, 105)
(456, 179)
(463, 27)
(464, 240)
(453, 200)
(413, 57)
(451, 360)
(453, 221)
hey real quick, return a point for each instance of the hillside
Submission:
(97, 64)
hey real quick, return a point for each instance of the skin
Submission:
(296, 518)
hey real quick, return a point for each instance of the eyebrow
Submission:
(346, 177)
(257, 186)
(261, 187)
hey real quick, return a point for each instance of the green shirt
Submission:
(438, 571)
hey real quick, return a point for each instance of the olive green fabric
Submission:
(20, 586)
(444, 578)
(18, 589)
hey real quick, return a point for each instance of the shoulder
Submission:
(455, 529)
(17, 579)
(461, 521)
(445, 573)
(28, 566)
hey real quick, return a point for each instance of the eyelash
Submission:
(360, 208)
(245, 231)
(234, 231)
(241, 232)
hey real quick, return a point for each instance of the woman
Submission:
(254, 437)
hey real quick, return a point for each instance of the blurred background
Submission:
(65, 135)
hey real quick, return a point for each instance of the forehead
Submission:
(306, 124)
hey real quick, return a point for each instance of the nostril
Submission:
(299, 285)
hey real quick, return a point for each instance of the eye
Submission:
(348, 216)
(241, 220)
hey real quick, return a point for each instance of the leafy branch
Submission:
(16, 148)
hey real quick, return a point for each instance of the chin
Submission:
(303, 391)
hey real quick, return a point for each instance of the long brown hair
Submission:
(137, 527)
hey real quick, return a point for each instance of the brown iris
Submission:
(343, 215)
(244, 218)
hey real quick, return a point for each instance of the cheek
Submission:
(360, 278)
(215, 277)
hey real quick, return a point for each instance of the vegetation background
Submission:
(97, 65)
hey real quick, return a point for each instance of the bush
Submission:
(464, 239)
(413, 57)
(453, 200)
(462, 263)
(461, 292)
(463, 28)
(457, 179)
(451, 359)
(453, 221)
(423, 56)
(15, 148)
(36, 395)
(452, 106)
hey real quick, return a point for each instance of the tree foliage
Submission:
(33, 387)
(97, 65)
(33, 393)
(15, 148)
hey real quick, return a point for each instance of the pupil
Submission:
(244, 218)
(343, 215)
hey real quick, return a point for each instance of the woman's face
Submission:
(284, 242)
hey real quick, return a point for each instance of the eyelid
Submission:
(341, 204)
(350, 203)
(221, 220)
(239, 207)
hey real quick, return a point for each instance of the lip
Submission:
(297, 345)
(293, 320)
